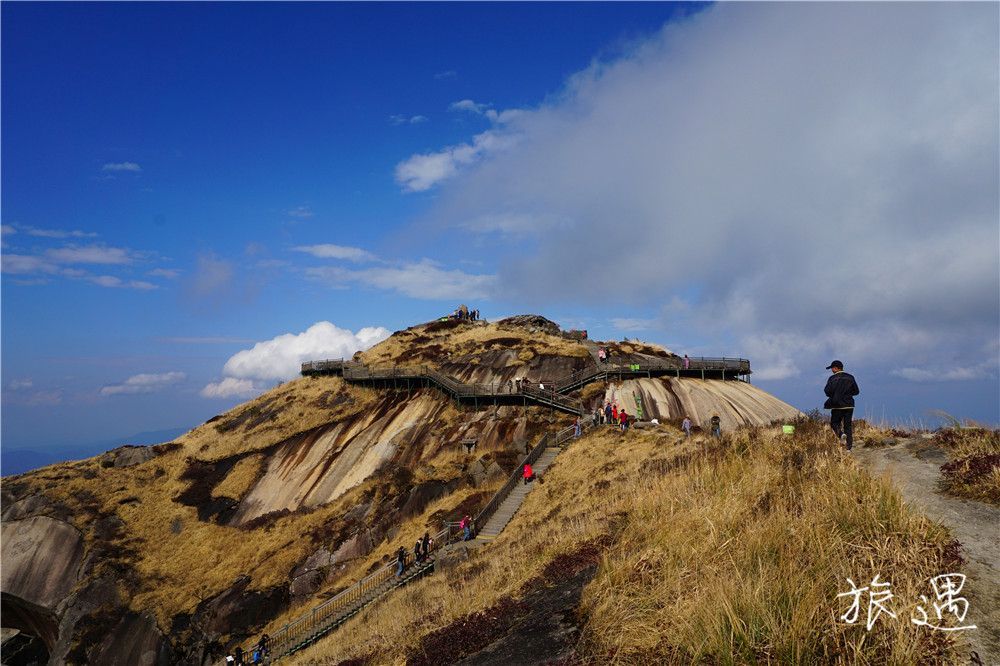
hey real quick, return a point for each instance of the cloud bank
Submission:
(279, 359)
(144, 383)
(800, 179)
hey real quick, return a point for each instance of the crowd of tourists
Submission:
(463, 313)
(255, 655)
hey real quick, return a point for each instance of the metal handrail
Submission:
(499, 496)
(328, 613)
(324, 616)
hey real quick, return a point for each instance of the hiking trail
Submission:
(914, 466)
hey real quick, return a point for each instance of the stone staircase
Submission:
(509, 507)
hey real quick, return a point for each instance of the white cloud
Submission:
(89, 254)
(449, 74)
(330, 251)
(21, 264)
(281, 357)
(7, 229)
(121, 166)
(823, 176)
(112, 281)
(422, 172)
(407, 120)
(20, 384)
(302, 212)
(230, 387)
(58, 233)
(424, 279)
(144, 383)
(487, 110)
(469, 106)
(169, 273)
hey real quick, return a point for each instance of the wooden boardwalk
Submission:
(550, 393)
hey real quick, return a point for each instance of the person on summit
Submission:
(840, 391)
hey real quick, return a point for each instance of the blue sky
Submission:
(184, 181)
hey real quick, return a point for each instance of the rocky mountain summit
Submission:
(168, 554)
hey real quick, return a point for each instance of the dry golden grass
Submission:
(291, 408)
(241, 477)
(735, 555)
(432, 345)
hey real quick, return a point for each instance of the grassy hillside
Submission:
(314, 467)
(689, 552)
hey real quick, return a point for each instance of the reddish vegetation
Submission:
(973, 470)
(468, 635)
(564, 567)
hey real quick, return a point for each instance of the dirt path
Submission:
(914, 465)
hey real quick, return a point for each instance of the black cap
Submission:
(835, 364)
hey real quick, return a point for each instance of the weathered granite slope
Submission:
(668, 398)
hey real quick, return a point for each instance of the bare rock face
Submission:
(135, 641)
(127, 456)
(423, 494)
(318, 560)
(666, 398)
(35, 505)
(41, 560)
(237, 608)
(357, 546)
(533, 323)
(306, 584)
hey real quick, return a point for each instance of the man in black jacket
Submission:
(840, 391)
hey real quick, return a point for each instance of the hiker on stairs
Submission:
(425, 544)
(466, 525)
(400, 561)
(418, 552)
(528, 474)
(607, 413)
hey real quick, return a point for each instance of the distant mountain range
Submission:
(18, 461)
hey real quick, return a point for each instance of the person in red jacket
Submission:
(614, 414)
(529, 475)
